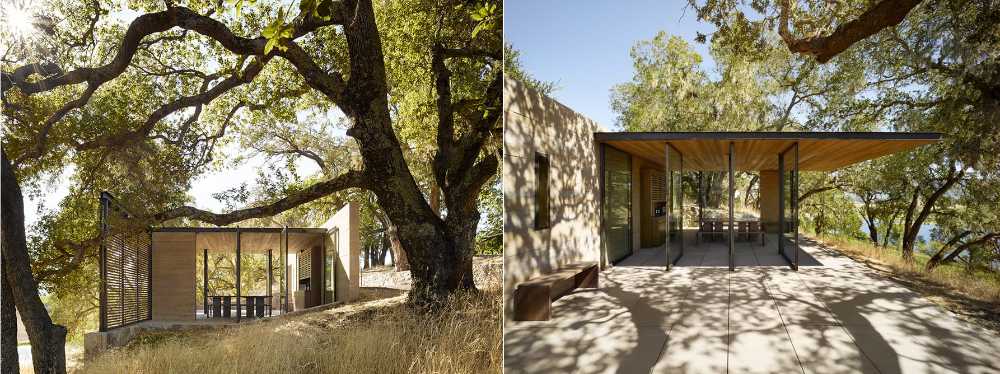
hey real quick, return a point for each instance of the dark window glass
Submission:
(541, 191)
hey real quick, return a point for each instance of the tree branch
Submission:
(886, 13)
(351, 179)
(235, 80)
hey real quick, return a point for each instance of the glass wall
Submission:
(675, 206)
(617, 204)
(328, 268)
(788, 171)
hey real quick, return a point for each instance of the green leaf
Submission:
(270, 44)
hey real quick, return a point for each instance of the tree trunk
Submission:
(436, 199)
(907, 245)
(382, 251)
(913, 227)
(869, 218)
(888, 229)
(938, 260)
(9, 363)
(750, 186)
(367, 255)
(398, 254)
(48, 340)
(434, 254)
(935, 260)
(820, 222)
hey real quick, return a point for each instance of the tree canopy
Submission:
(398, 100)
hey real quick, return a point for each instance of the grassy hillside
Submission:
(378, 335)
(979, 285)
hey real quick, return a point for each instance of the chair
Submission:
(718, 229)
(250, 305)
(260, 306)
(227, 306)
(757, 228)
(216, 306)
(704, 228)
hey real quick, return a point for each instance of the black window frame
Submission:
(543, 198)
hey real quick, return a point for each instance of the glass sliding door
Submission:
(788, 199)
(329, 270)
(675, 206)
(617, 204)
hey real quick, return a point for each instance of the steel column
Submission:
(284, 270)
(670, 201)
(270, 282)
(239, 301)
(680, 201)
(781, 203)
(732, 197)
(795, 208)
(204, 277)
(103, 254)
(603, 256)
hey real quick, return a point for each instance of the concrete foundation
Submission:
(96, 342)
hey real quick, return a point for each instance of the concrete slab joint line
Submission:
(829, 317)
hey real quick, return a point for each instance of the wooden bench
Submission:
(533, 298)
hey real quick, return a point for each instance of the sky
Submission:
(584, 46)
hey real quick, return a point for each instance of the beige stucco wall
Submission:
(769, 199)
(536, 123)
(344, 225)
(174, 256)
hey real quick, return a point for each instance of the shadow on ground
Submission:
(832, 316)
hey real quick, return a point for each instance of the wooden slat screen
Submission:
(125, 268)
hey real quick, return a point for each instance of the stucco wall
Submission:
(536, 123)
(174, 256)
(769, 199)
(344, 225)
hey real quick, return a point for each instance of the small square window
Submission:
(542, 219)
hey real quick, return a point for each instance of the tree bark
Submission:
(9, 363)
(398, 254)
(48, 340)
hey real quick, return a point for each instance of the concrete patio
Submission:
(832, 316)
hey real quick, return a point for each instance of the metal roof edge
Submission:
(767, 135)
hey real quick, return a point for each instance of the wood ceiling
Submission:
(818, 151)
(252, 242)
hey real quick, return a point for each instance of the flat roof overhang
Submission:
(315, 230)
(818, 151)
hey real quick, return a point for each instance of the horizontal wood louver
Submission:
(126, 260)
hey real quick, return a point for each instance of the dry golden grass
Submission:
(980, 286)
(378, 335)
